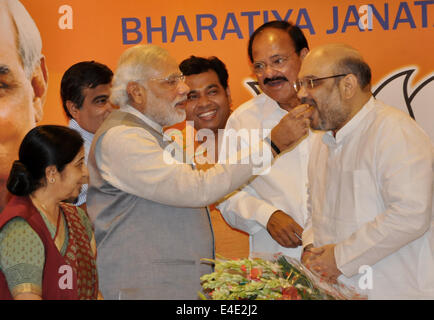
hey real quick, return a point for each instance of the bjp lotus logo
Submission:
(417, 100)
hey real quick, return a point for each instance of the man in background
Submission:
(85, 92)
(23, 83)
(209, 99)
(272, 207)
(209, 106)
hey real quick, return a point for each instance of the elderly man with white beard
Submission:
(151, 226)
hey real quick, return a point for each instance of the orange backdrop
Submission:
(401, 33)
(395, 37)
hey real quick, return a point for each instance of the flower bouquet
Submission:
(279, 278)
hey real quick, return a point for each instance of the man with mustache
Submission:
(272, 207)
(370, 183)
(147, 206)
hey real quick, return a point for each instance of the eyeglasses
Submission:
(277, 63)
(310, 83)
(170, 81)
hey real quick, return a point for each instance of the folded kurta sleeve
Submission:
(245, 210)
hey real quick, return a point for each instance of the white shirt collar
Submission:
(86, 135)
(349, 127)
(271, 107)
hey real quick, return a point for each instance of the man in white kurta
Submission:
(272, 208)
(371, 178)
(283, 188)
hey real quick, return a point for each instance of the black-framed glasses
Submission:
(310, 83)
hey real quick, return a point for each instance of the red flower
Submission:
(255, 273)
(291, 293)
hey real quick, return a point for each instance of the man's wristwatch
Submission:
(275, 148)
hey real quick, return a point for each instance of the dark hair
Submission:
(86, 74)
(197, 65)
(357, 67)
(42, 146)
(294, 32)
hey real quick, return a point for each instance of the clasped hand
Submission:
(322, 262)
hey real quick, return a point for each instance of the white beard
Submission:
(163, 113)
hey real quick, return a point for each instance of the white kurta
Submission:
(283, 188)
(371, 191)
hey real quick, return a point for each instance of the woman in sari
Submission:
(47, 247)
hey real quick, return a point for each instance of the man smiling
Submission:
(209, 106)
(272, 207)
(209, 98)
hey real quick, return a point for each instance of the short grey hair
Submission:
(134, 65)
(358, 67)
(29, 42)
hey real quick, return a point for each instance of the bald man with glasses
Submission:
(370, 183)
